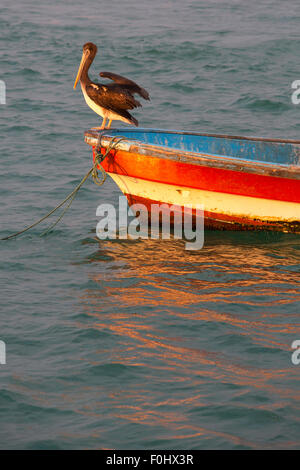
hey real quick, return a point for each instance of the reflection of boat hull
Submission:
(260, 190)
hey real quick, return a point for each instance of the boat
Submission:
(243, 183)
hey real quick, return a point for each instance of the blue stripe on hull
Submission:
(264, 150)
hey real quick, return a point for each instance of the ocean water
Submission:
(143, 344)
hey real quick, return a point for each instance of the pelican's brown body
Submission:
(113, 100)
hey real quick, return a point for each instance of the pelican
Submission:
(112, 100)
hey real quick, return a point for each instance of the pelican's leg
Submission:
(109, 123)
(103, 123)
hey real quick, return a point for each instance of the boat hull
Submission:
(236, 193)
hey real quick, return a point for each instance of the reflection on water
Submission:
(205, 337)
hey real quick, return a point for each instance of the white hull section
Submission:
(219, 203)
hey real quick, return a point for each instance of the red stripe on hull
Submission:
(222, 221)
(202, 177)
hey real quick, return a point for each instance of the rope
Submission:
(93, 171)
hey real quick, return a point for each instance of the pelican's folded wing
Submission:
(111, 97)
(129, 84)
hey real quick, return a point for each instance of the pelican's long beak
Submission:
(84, 57)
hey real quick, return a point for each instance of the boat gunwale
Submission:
(94, 137)
(222, 136)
